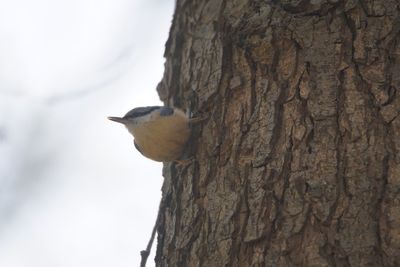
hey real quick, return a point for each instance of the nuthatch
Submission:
(160, 133)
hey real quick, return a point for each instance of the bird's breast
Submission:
(163, 139)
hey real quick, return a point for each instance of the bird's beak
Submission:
(118, 119)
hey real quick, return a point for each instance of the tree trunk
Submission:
(297, 162)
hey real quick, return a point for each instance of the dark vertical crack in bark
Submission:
(286, 176)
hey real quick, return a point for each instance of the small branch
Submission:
(145, 253)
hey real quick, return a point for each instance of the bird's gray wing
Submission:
(166, 111)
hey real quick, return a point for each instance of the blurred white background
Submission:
(73, 189)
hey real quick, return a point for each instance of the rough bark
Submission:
(297, 163)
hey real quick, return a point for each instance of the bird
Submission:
(160, 132)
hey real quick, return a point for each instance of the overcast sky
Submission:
(73, 190)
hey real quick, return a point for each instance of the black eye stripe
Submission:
(138, 112)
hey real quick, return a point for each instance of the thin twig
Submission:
(145, 253)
